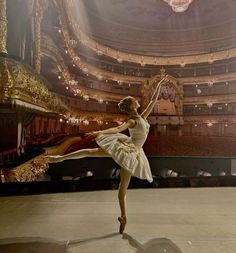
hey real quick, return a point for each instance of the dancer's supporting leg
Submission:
(124, 183)
(90, 152)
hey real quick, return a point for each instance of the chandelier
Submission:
(179, 5)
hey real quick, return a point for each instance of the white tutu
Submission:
(128, 151)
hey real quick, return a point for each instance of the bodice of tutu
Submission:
(139, 132)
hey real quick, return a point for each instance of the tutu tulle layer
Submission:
(130, 157)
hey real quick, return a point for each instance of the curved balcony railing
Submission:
(115, 54)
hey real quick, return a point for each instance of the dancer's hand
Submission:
(93, 134)
(165, 79)
(53, 158)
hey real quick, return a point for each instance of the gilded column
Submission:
(3, 27)
(6, 82)
(38, 14)
(144, 94)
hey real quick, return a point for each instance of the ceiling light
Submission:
(86, 97)
(86, 122)
(179, 5)
(99, 52)
(199, 91)
(210, 61)
(100, 101)
(209, 104)
(210, 83)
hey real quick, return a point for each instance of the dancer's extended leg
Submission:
(124, 183)
(90, 152)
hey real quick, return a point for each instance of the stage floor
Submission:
(189, 220)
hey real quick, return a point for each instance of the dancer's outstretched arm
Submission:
(114, 130)
(155, 95)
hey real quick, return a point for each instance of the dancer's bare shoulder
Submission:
(131, 123)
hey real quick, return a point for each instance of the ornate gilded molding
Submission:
(19, 82)
(142, 60)
(6, 82)
(204, 119)
(195, 59)
(230, 98)
(27, 172)
(179, 5)
(148, 86)
(36, 167)
(86, 67)
(206, 79)
(3, 27)
(132, 79)
(38, 9)
(50, 49)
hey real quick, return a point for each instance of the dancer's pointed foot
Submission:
(123, 222)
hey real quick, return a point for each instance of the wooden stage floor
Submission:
(189, 220)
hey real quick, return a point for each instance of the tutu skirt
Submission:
(123, 151)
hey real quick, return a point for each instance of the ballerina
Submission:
(126, 151)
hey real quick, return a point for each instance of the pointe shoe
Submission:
(123, 222)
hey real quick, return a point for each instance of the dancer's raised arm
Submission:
(155, 95)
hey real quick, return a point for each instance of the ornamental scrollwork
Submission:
(18, 81)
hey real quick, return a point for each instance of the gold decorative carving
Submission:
(19, 82)
(3, 26)
(162, 72)
(173, 82)
(36, 167)
(26, 172)
(39, 7)
(50, 49)
(6, 82)
(179, 5)
(88, 67)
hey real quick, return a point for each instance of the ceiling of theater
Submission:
(151, 27)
